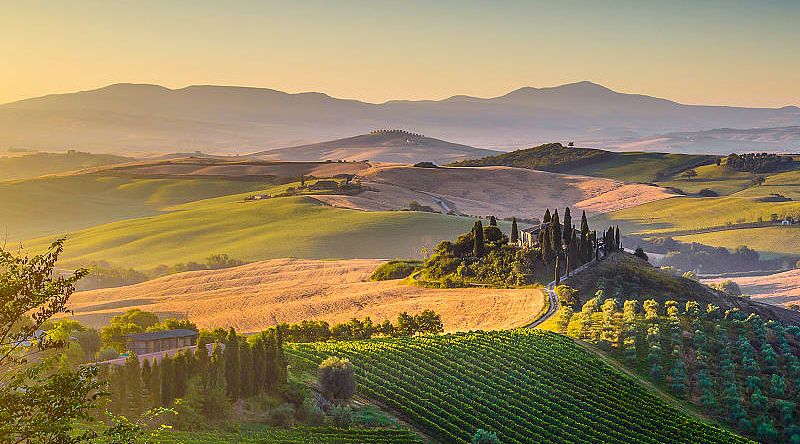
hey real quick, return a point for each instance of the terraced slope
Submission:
(526, 385)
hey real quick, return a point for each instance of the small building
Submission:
(529, 237)
(156, 341)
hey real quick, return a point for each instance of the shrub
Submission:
(310, 414)
(342, 416)
(706, 192)
(485, 437)
(395, 270)
(425, 165)
(337, 378)
(641, 254)
(728, 286)
(282, 416)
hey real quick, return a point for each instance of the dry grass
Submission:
(779, 289)
(501, 191)
(255, 296)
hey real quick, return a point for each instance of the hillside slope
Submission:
(525, 385)
(629, 166)
(380, 146)
(779, 288)
(632, 278)
(29, 166)
(257, 230)
(256, 296)
(127, 117)
(501, 191)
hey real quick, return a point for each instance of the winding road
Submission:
(551, 295)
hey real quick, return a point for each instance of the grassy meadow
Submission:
(55, 206)
(266, 229)
(27, 166)
(639, 166)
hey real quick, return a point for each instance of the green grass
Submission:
(770, 241)
(628, 166)
(640, 166)
(679, 214)
(786, 184)
(270, 228)
(38, 164)
(299, 435)
(59, 205)
(713, 177)
(525, 385)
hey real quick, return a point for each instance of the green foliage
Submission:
(485, 437)
(529, 385)
(282, 416)
(397, 269)
(296, 435)
(337, 379)
(342, 416)
(132, 321)
(173, 324)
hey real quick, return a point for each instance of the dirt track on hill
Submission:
(255, 296)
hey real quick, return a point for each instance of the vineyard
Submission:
(734, 367)
(525, 385)
(299, 435)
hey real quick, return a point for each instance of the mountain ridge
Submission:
(128, 117)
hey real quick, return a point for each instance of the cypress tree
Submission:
(567, 231)
(478, 247)
(119, 392)
(232, 367)
(181, 375)
(280, 359)
(302, 181)
(203, 361)
(547, 216)
(514, 232)
(557, 272)
(586, 248)
(259, 365)
(544, 245)
(555, 234)
(246, 369)
(492, 221)
(618, 239)
(154, 384)
(147, 374)
(133, 381)
(167, 382)
(216, 366)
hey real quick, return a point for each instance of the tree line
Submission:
(426, 322)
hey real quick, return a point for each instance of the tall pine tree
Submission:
(567, 231)
(514, 232)
(232, 368)
(478, 247)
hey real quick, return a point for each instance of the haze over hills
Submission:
(380, 146)
(719, 141)
(151, 118)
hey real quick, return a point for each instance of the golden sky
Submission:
(710, 52)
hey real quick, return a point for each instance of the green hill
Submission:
(628, 166)
(264, 229)
(39, 164)
(55, 206)
(525, 385)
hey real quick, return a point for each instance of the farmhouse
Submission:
(528, 237)
(151, 342)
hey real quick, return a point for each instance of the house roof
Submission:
(155, 335)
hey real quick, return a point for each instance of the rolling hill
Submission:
(150, 118)
(257, 230)
(380, 146)
(779, 288)
(629, 166)
(720, 141)
(256, 296)
(501, 191)
(28, 166)
(525, 385)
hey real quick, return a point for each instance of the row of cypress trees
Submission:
(236, 367)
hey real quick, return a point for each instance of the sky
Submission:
(729, 52)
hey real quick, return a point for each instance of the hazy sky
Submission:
(714, 51)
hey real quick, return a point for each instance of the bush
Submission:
(282, 416)
(337, 379)
(342, 416)
(728, 286)
(705, 192)
(310, 414)
(425, 165)
(485, 437)
(567, 296)
(395, 270)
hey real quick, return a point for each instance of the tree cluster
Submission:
(206, 378)
(425, 322)
(757, 162)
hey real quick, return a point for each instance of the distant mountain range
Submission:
(148, 118)
(381, 146)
